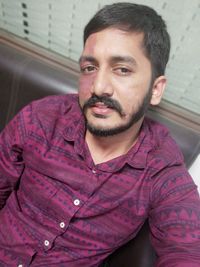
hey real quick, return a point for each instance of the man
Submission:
(79, 175)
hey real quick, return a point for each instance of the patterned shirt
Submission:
(60, 209)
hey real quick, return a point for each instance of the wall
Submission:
(195, 172)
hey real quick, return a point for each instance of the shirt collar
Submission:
(75, 132)
(74, 120)
(136, 156)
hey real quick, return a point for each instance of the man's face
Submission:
(115, 81)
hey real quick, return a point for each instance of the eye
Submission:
(123, 71)
(88, 69)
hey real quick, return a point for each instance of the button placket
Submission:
(77, 202)
(94, 171)
(62, 225)
(46, 243)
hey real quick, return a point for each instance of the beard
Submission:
(115, 105)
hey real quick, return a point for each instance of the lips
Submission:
(101, 106)
(101, 109)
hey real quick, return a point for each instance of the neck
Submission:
(103, 149)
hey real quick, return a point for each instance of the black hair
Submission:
(136, 18)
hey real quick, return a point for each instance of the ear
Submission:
(158, 90)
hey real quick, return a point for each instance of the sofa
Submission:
(26, 76)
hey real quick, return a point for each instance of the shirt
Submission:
(60, 209)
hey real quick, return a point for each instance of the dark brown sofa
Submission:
(25, 77)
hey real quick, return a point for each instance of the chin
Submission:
(106, 131)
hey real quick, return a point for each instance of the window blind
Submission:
(58, 26)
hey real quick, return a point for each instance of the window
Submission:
(58, 26)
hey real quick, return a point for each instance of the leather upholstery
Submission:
(136, 253)
(24, 77)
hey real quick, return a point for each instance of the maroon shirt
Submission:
(60, 209)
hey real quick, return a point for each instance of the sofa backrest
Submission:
(25, 77)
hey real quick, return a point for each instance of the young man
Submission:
(79, 175)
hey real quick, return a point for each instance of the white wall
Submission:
(195, 172)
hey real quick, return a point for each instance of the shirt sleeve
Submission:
(175, 218)
(12, 140)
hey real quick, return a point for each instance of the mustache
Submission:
(107, 101)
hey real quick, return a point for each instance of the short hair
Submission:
(136, 18)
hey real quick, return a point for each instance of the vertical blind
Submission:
(58, 26)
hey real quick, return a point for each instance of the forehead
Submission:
(114, 42)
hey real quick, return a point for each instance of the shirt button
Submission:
(46, 243)
(93, 171)
(62, 225)
(20, 265)
(76, 202)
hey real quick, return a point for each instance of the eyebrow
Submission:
(123, 59)
(87, 58)
(113, 59)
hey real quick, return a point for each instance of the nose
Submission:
(102, 84)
